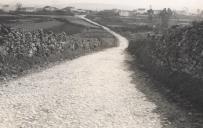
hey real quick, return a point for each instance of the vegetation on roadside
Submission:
(57, 24)
(175, 57)
(21, 50)
(172, 55)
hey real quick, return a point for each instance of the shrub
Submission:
(175, 57)
(20, 50)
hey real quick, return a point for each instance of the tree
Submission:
(198, 14)
(18, 6)
(165, 16)
(150, 14)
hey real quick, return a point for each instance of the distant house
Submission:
(124, 13)
(6, 8)
(182, 12)
(116, 10)
(50, 9)
(127, 13)
(108, 13)
(157, 12)
(141, 10)
(134, 11)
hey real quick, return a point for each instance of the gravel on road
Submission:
(93, 91)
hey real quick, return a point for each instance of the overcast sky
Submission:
(175, 4)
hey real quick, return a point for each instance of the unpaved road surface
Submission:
(93, 91)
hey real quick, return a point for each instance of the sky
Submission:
(156, 4)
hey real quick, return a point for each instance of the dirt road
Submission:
(93, 91)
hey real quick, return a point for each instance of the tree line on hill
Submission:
(46, 10)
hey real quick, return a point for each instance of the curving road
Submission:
(93, 91)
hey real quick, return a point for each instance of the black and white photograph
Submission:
(101, 64)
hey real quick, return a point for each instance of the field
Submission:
(140, 20)
(68, 24)
(140, 23)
